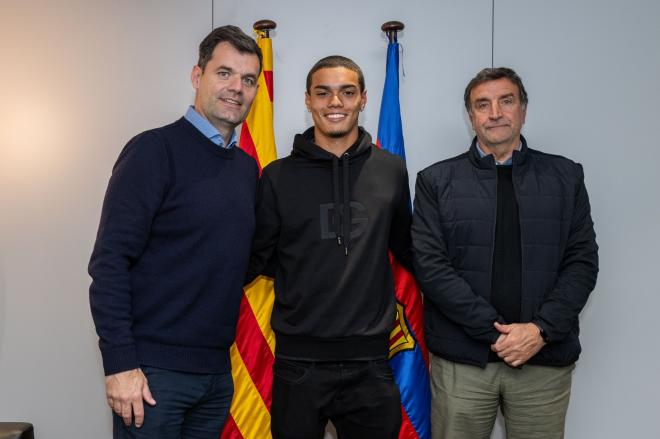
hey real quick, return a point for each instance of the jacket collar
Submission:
(488, 162)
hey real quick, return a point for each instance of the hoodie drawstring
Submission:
(341, 218)
(346, 218)
(335, 199)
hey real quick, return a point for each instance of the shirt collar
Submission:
(209, 131)
(508, 162)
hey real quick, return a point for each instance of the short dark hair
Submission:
(492, 74)
(335, 61)
(229, 34)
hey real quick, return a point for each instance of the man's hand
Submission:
(125, 392)
(517, 343)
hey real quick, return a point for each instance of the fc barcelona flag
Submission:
(408, 354)
(252, 353)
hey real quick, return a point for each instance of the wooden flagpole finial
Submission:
(391, 28)
(265, 26)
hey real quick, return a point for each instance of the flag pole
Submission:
(391, 28)
(408, 356)
(265, 26)
(252, 354)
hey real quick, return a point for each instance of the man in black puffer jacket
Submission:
(505, 253)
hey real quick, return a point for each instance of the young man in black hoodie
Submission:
(329, 213)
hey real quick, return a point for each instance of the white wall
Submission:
(79, 78)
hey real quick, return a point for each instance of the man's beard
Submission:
(338, 134)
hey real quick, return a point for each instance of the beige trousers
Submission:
(465, 399)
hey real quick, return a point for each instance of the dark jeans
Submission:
(359, 397)
(188, 406)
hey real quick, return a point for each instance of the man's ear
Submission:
(195, 76)
(471, 117)
(307, 102)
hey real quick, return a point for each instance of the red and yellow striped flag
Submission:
(252, 354)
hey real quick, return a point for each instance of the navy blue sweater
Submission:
(171, 252)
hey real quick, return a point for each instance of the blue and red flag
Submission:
(409, 357)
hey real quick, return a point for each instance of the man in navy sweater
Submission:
(171, 252)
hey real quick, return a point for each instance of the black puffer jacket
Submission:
(453, 236)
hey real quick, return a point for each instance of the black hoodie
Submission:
(334, 294)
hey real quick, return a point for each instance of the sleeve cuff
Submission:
(119, 359)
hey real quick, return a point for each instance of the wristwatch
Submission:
(544, 335)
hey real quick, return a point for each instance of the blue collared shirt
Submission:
(508, 161)
(211, 132)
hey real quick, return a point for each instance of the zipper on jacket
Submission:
(492, 248)
(522, 253)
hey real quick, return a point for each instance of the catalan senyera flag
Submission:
(409, 357)
(252, 354)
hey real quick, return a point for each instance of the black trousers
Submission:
(359, 397)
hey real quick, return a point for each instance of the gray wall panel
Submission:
(591, 69)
